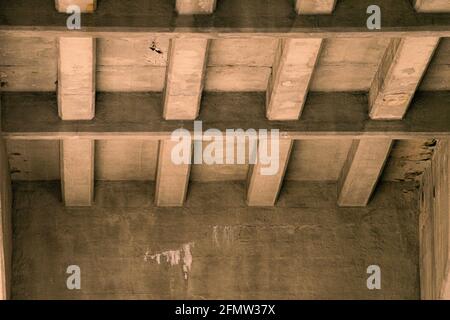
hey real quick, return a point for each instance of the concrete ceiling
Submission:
(234, 65)
(119, 160)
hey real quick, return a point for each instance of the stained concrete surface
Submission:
(215, 247)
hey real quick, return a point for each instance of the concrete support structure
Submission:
(313, 7)
(291, 74)
(6, 231)
(431, 5)
(195, 6)
(263, 189)
(172, 179)
(361, 171)
(185, 78)
(86, 6)
(76, 78)
(77, 172)
(399, 75)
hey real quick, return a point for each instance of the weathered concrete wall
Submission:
(434, 224)
(216, 247)
(5, 225)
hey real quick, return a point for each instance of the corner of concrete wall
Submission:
(434, 236)
(5, 225)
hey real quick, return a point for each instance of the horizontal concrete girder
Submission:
(232, 18)
(336, 115)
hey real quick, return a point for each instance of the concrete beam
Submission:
(195, 6)
(363, 167)
(171, 179)
(263, 190)
(398, 76)
(312, 7)
(291, 75)
(5, 225)
(185, 78)
(77, 172)
(431, 5)
(325, 115)
(86, 6)
(233, 19)
(76, 78)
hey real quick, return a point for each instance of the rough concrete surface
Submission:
(215, 247)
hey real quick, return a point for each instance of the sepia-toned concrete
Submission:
(92, 111)
(6, 229)
(305, 247)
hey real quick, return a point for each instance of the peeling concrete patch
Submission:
(175, 257)
(223, 235)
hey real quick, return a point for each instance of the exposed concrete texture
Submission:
(76, 78)
(264, 182)
(28, 64)
(5, 226)
(131, 65)
(399, 75)
(361, 171)
(311, 160)
(171, 178)
(437, 76)
(77, 172)
(215, 247)
(185, 78)
(87, 6)
(289, 82)
(195, 6)
(434, 227)
(237, 64)
(431, 5)
(314, 6)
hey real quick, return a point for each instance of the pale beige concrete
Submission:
(34, 160)
(6, 228)
(125, 160)
(263, 190)
(237, 79)
(77, 172)
(156, 71)
(431, 5)
(360, 174)
(317, 159)
(185, 78)
(171, 179)
(76, 78)
(437, 76)
(348, 64)
(131, 64)
(86, 6)
(28, 64)
(245, 51)
(399, 75)
(291, 74)
(195, 6)
(313, 7)
(408, 160)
